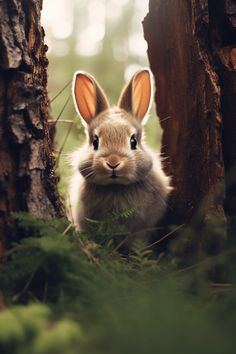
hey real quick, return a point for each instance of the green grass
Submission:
(65, 293)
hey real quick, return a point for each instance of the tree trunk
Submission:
(191, 48)
(27, 180)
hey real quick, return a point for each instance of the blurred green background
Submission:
(104, 38)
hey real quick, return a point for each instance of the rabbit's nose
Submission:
(113, 161)
(113, 165)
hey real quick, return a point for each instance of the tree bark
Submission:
(27, 180)
(191, 49)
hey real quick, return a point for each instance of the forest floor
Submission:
(71, 293)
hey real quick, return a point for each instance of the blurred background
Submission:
(103, 37)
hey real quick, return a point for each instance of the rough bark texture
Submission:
(27, 182)
(191, 48)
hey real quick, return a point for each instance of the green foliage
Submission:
(65, 293)
(111, 230)
(32, 329)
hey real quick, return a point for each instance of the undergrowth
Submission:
(65, 292)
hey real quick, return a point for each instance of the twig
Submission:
(203, 262)
(60, 121)
(118, 246)
(28, 282)
(63, 145)
(63, 108)
(135, 234)
(164, 119)
(67, 229)
(58, 94)
(221, 285)
(164, 237)
(31, 277)
(33, 297)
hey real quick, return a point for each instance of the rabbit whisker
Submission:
(86, 168)
(89, 175)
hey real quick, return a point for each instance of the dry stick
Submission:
(164, 237)
(194, 266)
(63, 108)
(67, 229)
(138, 232)
(161, 239)
(33, 297)
(164, 119)
(26, 285)
(58, 94)
(63, 145)
(202, 262)
(118, 246)
(61, 121)
(221, 285)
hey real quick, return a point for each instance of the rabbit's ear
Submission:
(89, 98)
(136, 97)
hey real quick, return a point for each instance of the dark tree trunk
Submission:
(191, 48)
(27, 181)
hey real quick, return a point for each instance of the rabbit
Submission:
(115, 170)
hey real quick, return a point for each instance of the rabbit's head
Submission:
(115, 153)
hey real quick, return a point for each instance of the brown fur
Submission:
(139, 180)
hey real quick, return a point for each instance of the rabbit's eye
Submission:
(133, 142)
(95, 142)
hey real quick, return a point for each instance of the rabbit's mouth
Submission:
(113, 179)
(113, 176)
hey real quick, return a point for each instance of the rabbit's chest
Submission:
(100, 203)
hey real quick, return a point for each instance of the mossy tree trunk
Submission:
(27, 181)
(191, 48)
